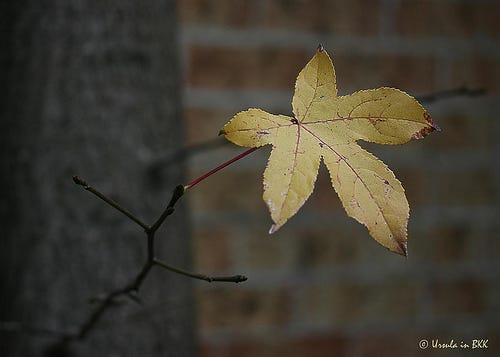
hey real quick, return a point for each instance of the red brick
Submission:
(328, 246)
(411, 74)
(454, 298)
(229, 191)
(263, 68)
(311, 346)
(298, 15)
(467, 188)
(461, 131)
(211, 251)
(414, 183)
(207, 349)
(324, 16)
(319, 345)
(447, 18)
(492, 297)
(458, 242)
(402, 343)
(236, 13)
(324, 197)
(345, 303)
(203, 125)
(476, 73)
(258, 251)
(242, 309)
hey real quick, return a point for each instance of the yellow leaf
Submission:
(326, 126)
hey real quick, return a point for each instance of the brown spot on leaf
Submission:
(429, 120)
(426, 130)
(402, 249)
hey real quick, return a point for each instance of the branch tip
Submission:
(79, 181)
(178, 193)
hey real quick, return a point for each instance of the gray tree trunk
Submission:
(89, 88)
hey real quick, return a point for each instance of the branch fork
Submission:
(130, 290)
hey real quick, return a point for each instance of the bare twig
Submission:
(109, 201)
(182, 154)
(171, 157)
(462, 91)
(232, 279)
(109, 300)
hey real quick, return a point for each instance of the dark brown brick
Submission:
(324, 16)
(258, 251)
(454, 298)
(212, 253)
(476, 73)
(297, 15)
(264, 68)
(402, 343)
(203, 125)
(236, 13)
(409, 73)
(229, 191)
(320, 345)
(447, 18)
(324, 197)
(242, 309)
(458, 242)
(305, 346)
(414, 183)
(328, 246)
(461, 131)
(467, 188)
(355, 302)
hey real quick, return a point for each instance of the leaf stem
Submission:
(220, 167)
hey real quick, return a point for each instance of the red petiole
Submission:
(220, 167)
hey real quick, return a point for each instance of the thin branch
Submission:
(109, 201)
(171, 157)
(176, 195)
(232, 278)
(186, 152)
(109, 300)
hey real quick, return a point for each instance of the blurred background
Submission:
(321, 286)
(131, 96)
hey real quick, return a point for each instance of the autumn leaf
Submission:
(326, 126)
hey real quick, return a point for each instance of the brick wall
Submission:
(321, 286)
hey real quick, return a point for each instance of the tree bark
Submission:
(89, 88)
